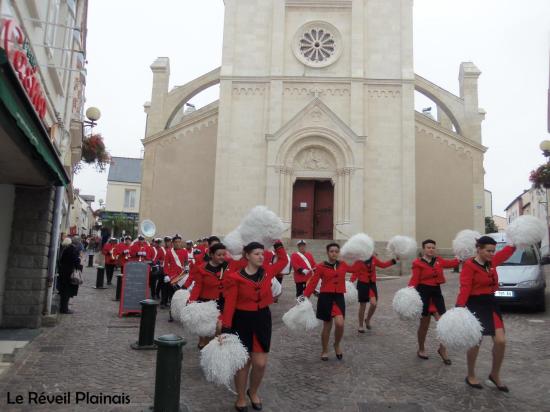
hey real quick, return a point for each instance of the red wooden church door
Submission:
(312, 209)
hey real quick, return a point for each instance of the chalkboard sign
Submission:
(135, 287)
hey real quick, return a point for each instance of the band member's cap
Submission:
(176, 237)
(141, 237)
(158, 240)
(189, 242)
(301, 242)
(127, 238)
(113, 239)
(167, 239)
(205, 239)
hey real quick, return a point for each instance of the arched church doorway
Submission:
(312, 209)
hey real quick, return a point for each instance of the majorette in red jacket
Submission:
(332, 276)
(424, 273)
(365, 271)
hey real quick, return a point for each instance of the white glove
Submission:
(306, 271)
(166, 279)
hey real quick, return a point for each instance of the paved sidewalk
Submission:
(90, 351)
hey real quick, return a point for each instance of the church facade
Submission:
(316, 120)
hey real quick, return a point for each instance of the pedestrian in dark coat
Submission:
(68, 263)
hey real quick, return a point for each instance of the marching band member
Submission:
(302, 263)
(157, 264)
(246, 312)
(209, 281)
(364, 271)
(175, 260)
(110, 261)
(427, 277)
(122, 252)
(331, 306)
(140, 250)
(478, 284)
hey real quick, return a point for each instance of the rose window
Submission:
(317, 45)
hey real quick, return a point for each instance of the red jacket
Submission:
(122, 251)
(426, 274)
(171, 266)
(109, 253)
(333, 278)
(299, 266)
(141, 251)
(243, 294)
(159, 253)
(209, 281)
(476, 279)
(365, 271)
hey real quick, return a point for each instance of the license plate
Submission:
(504, 293)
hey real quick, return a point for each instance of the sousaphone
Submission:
(147, 228)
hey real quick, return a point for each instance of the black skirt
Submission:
(363, 291)
(248, 324)
(483, 307)
(325, 302)
(431, 294)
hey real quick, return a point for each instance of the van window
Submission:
(520, 257)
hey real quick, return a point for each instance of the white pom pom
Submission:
(351, 292)
(276, 288)
(407, 303)
(301, 317)
(404, 247)
(200, 318)
(464, 244)
(261, 225)
(458, 329)
(179, 300)
(526, 231)
(234, 242)
(358, 247)
(220, 361)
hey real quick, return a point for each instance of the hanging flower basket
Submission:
(541, 176)
(94, 152)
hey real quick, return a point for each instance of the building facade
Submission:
(42, 80)
(316, 120)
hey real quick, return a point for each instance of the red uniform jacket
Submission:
(171, 266)
(159, 253)
(426, 274)
(122, 251)
(243, 294)
(209, 281)
(365, 271)
(141, 251)
(476, 279)
(333, 278)
(299, 266)
(109, 253)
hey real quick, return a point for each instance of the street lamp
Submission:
(93, 114)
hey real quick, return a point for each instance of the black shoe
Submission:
(473, 385)
(339, 356)
(255, 406)
(324, 358)
(502, 388)
(446, 361)
(241, 408)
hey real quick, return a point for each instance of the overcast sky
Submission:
(507, 39)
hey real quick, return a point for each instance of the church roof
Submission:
(125, 169)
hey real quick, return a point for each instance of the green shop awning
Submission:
(18, 110)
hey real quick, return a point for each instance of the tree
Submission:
(490, 225)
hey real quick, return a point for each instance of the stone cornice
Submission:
(431, 125)
(189, 120)
(319, 3)
(315, 79)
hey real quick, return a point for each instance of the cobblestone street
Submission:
(90, 351)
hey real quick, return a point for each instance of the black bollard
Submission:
(90, 261)
(118, 287)
(147, 325)
(168, 373)
(100, 274)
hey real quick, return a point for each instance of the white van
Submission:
(521, 281)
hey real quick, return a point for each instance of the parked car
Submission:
(521, 279)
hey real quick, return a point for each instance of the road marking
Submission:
(536, 320)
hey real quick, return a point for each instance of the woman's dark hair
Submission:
(215, 247)
(485, 240)
(213, 239)
(427, 241)
(251, 246)
(333, 245)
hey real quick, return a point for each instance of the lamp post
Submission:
(545, 147)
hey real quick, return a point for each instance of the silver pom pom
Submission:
(351, 292)
(404, 247)
(464, 244)
(358, 247)
(459, 329)
(526, 231)
(301, 317)
(407, 303)
(221, 361)
(200, 318)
